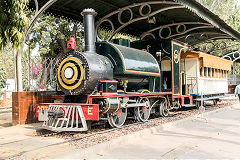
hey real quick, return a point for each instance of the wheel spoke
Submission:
(162, 110)
(143, 112)
(121, 119)
(145, 116)
(117, 120)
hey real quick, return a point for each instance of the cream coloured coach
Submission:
(204, 73)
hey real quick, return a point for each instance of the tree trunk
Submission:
(18, 69)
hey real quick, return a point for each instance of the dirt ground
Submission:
(5, 119)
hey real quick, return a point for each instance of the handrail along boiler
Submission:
(113, 81)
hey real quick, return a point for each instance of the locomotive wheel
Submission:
(162, 110)
(117, 119)
(143, 112)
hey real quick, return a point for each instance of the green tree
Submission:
(3, 77)
(229, 11)
(51, 34)
(6, 65)
(7, 57)
(13, 21)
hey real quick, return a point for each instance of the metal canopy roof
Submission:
(183, 20)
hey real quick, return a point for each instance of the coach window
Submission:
(201, 71)
(209, 72)
(166, 73)
(213, 73)
(205, 72)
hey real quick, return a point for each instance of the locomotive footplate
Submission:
(67, 116)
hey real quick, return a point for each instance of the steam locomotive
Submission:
(113, 81)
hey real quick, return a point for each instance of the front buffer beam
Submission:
(67, 117)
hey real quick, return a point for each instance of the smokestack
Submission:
(89, 29)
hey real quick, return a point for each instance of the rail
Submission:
(6, 107)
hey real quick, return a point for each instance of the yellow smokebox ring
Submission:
(62, 78)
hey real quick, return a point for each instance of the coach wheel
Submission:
(214, 102)
(118, 118)
(198, 104)
(163, 109)
(143, 111)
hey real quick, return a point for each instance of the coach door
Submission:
(183, 83)
(166, 69)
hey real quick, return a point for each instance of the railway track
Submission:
(3, 112)
(6, 109)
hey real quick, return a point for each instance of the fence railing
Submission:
(233, 79)
(40, 73)
(192, 84)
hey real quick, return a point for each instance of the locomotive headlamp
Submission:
(68, 73)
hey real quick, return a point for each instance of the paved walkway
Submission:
(216, 136)
(20, 139)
